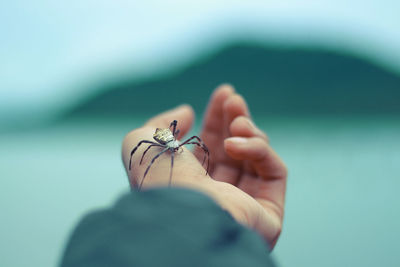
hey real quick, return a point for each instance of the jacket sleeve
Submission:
(164, 227)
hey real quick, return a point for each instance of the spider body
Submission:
(166, 137)
(167, 140)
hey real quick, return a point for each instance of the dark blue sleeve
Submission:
(164, 227)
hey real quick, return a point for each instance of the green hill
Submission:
(273, 80)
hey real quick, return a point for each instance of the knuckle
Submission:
(280, 168)
(260, 144)
(256, 131)
(285, 170)
(282, 171)
(264, 136)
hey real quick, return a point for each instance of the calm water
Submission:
(342, 200)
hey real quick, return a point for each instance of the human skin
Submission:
(246, 177)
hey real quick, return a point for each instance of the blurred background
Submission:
(322, 78)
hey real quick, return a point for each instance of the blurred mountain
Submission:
(273, 80)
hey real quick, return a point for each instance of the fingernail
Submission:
(237, 140)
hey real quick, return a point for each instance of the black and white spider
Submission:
(168, 141)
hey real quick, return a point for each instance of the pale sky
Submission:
(53, 53)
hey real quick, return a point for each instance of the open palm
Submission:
(246, 176)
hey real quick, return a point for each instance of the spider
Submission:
(167, 140)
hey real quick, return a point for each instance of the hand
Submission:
(246, 176)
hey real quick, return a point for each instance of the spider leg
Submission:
(147, 149)
(206, 153)
(190, 139)
(172, 166)
(151, 163)
(136, 147)
(173, 125)
(176, 133)
(198, 144)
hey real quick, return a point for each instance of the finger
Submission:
(268, 166)
(264, 159)
(227, 169)
(213, 133)
(184, 114)
(243, 126)
(234, 107)
(214, 116)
